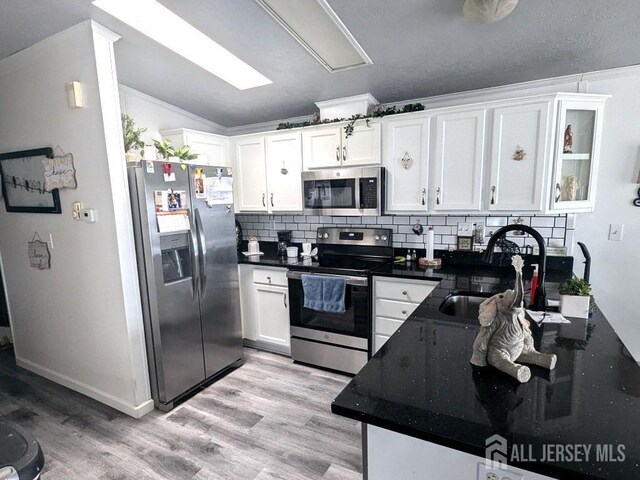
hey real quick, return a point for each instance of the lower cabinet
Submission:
(264, 297)
(394, 300)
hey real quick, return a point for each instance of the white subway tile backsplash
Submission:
(496, 221)
(455, 220)
(437, 221)
(339, 220)
(384, 220)
(400, 220)
(571, 220)
(287, 218)
(420, 220)
(543, 222)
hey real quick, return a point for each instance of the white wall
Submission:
(79, 323)
(155, 115)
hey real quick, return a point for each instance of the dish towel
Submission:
(323, 293)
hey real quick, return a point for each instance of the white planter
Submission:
(575, 305)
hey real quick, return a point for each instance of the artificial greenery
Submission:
(378, 111)
(184, 153)
(165, 148)
(575, 286)
(131, 135)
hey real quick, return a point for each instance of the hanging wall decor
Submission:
(38, 251)
(59, 171)
(23, 182)
(636, 202)
(519, 154)
(406, 161)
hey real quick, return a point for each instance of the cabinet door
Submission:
(272, 311)
(284, 172)
(576, 165)
(457, 183)
(363, 146)
(322, 147)
(211, 150)
(251, 175)
(519, 153)
(406, 158)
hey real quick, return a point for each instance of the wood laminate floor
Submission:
(270, 419)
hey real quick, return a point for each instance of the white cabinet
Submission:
(212, 149)
(250, 165)
(264, 298)
(269, 169)
(284, 172)
(328, 147)
(406, 159)
(394, 300)
(458, 164)
(519, 157)
(578, 134)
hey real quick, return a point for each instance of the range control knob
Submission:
(384, 238)
(326, 235)
(376, 238)
(319, 234)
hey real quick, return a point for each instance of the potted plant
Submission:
(575, 298)
(184, 153)
(165, 150)
(133, 144)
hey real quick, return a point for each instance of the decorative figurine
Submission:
(568, 140)
(572, 185)
(315, 119)
(505, 338)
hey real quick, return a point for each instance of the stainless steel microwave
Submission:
(347, 191)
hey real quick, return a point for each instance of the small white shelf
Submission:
(576, 156)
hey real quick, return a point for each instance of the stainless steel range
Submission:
(338, 341)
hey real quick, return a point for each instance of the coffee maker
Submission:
(284, 240)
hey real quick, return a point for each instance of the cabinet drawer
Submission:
(271, 277)
(393, 309)
(386, 326)
(414, 292)
(379, 341)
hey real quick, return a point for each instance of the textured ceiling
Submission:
(418, 47)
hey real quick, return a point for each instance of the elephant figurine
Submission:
(504, 339)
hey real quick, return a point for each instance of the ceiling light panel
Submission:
(315, 25)
(162, 25)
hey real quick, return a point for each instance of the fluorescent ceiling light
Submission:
(316, 26)
(165, 27)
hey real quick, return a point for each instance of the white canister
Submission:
(254, 246)
(292, 252)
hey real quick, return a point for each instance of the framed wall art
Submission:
(23, 183)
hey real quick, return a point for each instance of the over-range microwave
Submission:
(345, 191)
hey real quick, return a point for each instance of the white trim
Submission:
(104, 31)
(264, 127)
(135, 411)
(219, 129)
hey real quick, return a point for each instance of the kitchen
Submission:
(76, 356)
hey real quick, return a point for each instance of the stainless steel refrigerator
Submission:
(187, 262)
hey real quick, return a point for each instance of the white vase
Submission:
(575, 305)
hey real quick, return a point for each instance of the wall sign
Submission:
(23, 182)
(38, 251)
(59, 171)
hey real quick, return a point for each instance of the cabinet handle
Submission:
(338, 154)
(558, 192)
(263, 203)
(272, 200)
(269, 279)
(404, 293)
(404, 312)
(424, 196)
(228, 210)
(493, 195)
(344, 153)
(438, 196)
(285, 300)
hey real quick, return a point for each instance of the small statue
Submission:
(568, 140)
(315, 119)
(505, 337)
(572, 186)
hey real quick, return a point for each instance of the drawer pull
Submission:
(404, 293)
(404, 312)
(269, 279)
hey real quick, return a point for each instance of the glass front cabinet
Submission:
(579, 131)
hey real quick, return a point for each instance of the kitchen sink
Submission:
(466, 305)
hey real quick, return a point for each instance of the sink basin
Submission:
(463, 304)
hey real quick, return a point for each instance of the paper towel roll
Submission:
(429, 244)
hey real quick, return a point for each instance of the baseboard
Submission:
(92, 392)
(6, 332)
(269, 347)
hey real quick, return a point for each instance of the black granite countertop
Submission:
(420, 383)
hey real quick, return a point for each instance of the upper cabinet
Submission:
(269, 169)
(406, 159)
(519, 157)
(579, 130)
(212, 149)
(329, 147)
(458, 161)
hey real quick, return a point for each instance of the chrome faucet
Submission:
(540, 300)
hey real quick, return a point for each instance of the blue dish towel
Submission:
(325, 294)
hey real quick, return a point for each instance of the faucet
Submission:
(540, 301)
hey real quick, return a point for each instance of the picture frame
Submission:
(465, 243)
(23, 183)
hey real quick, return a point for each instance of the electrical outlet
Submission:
(615, 232)
(485, 472)
(76, 210)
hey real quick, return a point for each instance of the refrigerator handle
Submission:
(195, 263)
(203, 254)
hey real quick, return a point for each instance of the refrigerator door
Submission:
(169, 278)
(212, 200)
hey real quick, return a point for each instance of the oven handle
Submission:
(351, 280)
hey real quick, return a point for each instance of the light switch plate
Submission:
(615, 232)
(465, 229)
